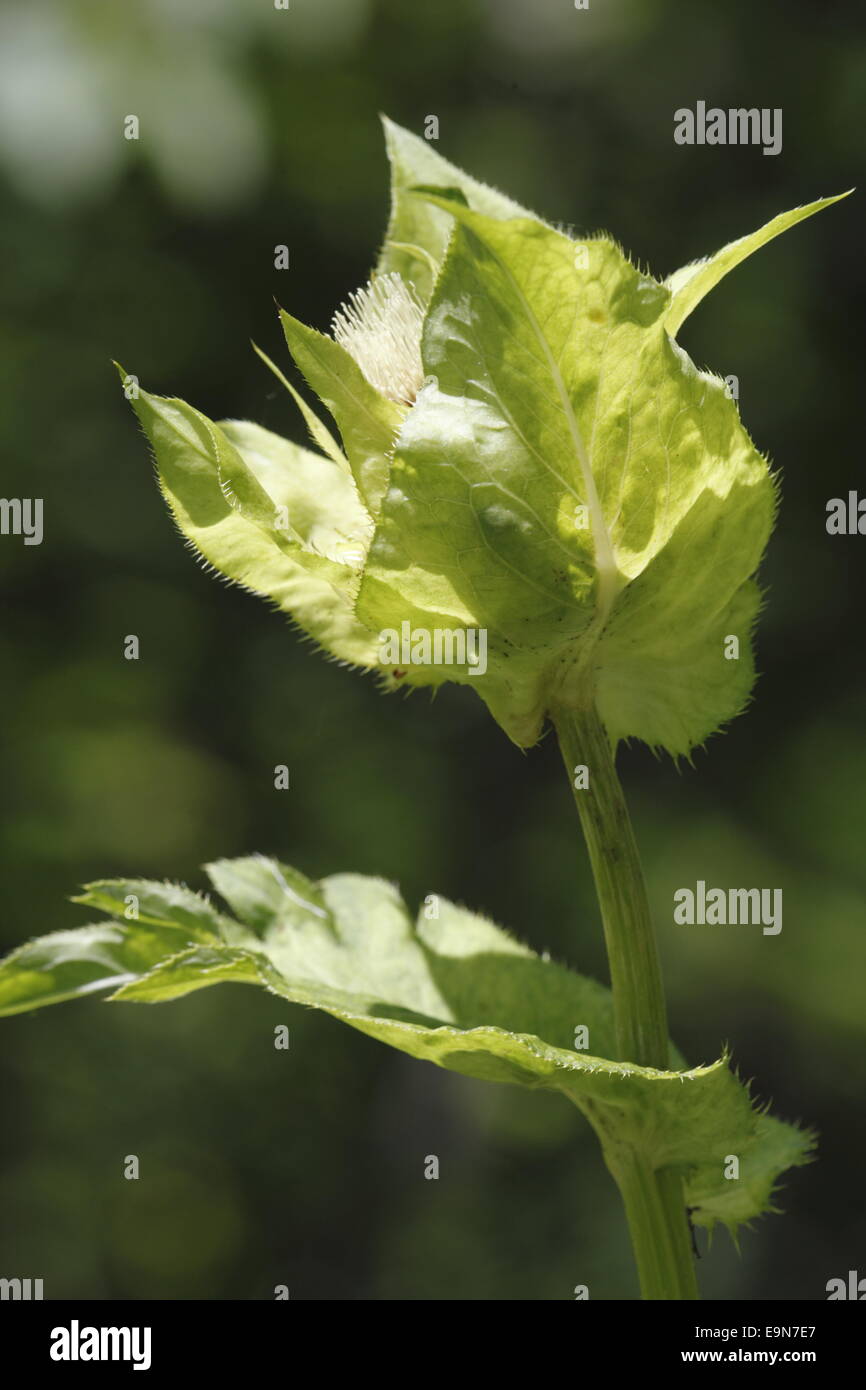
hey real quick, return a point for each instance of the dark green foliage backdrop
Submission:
(258, 128)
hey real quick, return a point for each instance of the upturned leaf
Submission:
(451, 988)
(570, 483)
(690, 284)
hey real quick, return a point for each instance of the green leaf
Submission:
(156, 905)
(772, 1148)
(72, 964)
(324, 512)
(691, 283)
(191, 970)
(567, 512)
(261, 891)
(418, 231)
(368, 422)
(319, 433)
(451, 988)
(571, 484)
(192, 916)
(226, 483)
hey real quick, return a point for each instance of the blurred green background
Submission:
(259, 127)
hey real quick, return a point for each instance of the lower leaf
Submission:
(451, 988)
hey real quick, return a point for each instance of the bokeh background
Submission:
(259, 127)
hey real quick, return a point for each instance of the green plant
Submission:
(536, 493)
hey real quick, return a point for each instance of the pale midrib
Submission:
(605, 561)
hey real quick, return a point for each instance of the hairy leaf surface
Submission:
(566, 488)
(574, 486)
(226, 483)
(452, 989)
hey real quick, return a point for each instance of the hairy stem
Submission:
(653, 1199)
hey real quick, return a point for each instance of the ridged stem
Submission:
(653, 1199)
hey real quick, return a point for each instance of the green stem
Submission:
(653, 1199)
(635, 973)
(656, 1216)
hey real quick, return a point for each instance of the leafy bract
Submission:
(367, 421)
(268, 514)
(451, 988)
(571, 484)
(319, 432)
(692, 282)
(418, 231)
(568, 511)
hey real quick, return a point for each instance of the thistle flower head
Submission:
(568, 491)
(381, 328)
